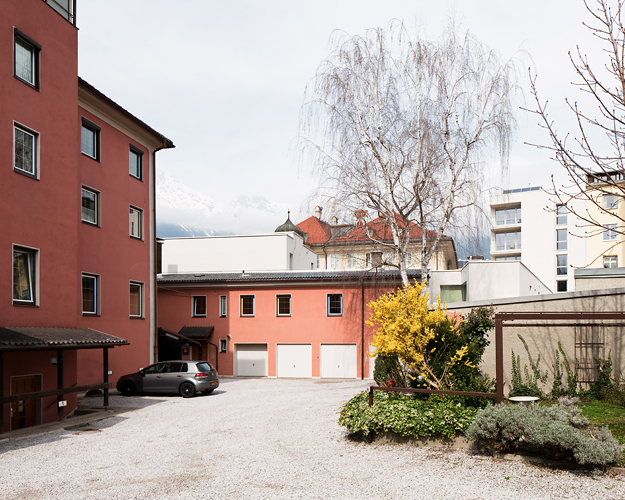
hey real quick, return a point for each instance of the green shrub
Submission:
(405, 415)
(529, 387)
(388, 368)
(557, 431)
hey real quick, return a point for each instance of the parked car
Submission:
(183, 377)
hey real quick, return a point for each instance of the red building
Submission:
(77, 251)
(285, 324)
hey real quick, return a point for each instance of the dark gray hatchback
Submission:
(169, 377)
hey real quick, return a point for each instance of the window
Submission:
(387, 258)
(334, 261)
(562, 265)
(335, 304)
(136, 162)
(318, 262)
(136, 222)
(352, 261)
(609, 201)
(24, 276)
(513, 257)
(408, 258)
(223, 345)
(283, 305)
(136, 300)
(368, 259)
(26, 59)
(90, 139)
(508, 216)
(561, 239)
(610, 232)
(610, 261)
(90, 293)
(247, 305)
(508, 241)
(90, 206)
(561, 285)
(561, 212)
(453, 293)
(199, 306)
(25, 153)
(223, 309)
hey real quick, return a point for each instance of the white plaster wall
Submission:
(264, 252)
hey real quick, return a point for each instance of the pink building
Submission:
(77, 252)
(286, 324)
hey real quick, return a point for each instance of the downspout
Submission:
(362, 324)
(323, 247)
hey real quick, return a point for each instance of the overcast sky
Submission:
(225, 81)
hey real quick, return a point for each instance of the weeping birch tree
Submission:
(399, 125)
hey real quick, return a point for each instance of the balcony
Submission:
(66, 8)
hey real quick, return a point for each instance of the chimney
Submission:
(360, 217)
(335, 221)
(318, 211)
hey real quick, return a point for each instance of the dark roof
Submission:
(288, 226)
(197, 332)
(167, 143)
(287, 276)
(55, 338)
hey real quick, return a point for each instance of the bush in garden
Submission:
(406, 416)
(388, 370)
(558, 431)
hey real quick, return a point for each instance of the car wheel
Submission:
(128, 389)
(187, 390)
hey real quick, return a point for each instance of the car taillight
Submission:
(199, 375)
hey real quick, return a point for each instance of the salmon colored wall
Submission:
(308, 323)
(19, 364)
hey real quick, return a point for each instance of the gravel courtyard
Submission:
(261, 438)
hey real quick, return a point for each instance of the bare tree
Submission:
(593, 155)
(398, 125)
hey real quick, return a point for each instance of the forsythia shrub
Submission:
(557, 431)
(405, 416)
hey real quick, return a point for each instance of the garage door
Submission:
(251, 360)
(338, 361)
(294, 360)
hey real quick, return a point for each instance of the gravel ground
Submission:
(262, 438)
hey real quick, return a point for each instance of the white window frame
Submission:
(609, 201)
(97, 206)
(609, 233)
(241, 299)
(283, 296)
(139, 232)
(223, 345)
(141, 287)
(368, 259)
(138, 155)
(194, 301)
(562, 237)
(96, 294)
(408, 257)
(562, 267)
(564, 285)
(335, 260)
(328, 304)
(223, 306)
(95, 130)
(609, 260)
(35, 150)
(352, 260)
(28, 44)
(388, 258)
(561, 215)
(33, 274)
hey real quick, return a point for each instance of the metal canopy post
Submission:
(499, 357)
(105, 362)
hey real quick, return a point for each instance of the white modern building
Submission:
(485, 280)
(281, 251)
(528, 225)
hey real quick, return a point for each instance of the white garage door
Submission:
(294, 360)
(338, 361)
(251, 360)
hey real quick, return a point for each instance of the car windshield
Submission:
(204, 367)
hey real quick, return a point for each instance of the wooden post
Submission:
(59, 380)
(105, 362)
(499, 357)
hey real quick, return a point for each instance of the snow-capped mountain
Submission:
(184, 211)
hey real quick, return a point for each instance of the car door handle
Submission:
(179, 376)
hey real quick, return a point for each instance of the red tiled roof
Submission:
(319, 232)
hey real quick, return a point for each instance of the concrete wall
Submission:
(263, 252)
(544, 340)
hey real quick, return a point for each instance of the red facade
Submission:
(67, 255)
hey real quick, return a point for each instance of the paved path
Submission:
(261, 438)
